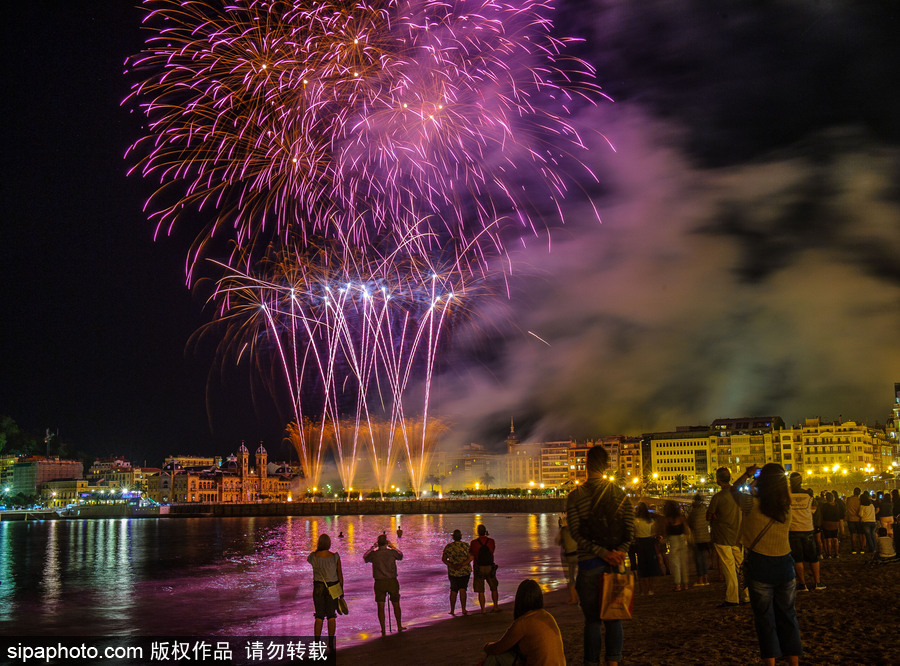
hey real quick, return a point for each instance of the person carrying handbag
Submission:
(328, 583)
(769, 567)
(601, 521)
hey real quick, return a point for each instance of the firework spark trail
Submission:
(360, 120)
(369, 140)
(378, 322)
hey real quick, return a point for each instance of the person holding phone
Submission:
(383, 556)
(772, 579)
(725, 527)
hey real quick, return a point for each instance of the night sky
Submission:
(748, 260)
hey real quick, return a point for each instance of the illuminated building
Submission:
(233, 482)
(116, 472)
(630, 458)
(738, 443)
(827, 449)
(30, 474)
(684, 455)
(555, 463)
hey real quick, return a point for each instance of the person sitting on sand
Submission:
(885, 545)
(533, 637)
(457, 557)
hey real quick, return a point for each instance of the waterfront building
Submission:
(194, 461)
(578, 462)
(630, 463)
(555, 463)
(60, 494)
(737, 443)
(682, 456)
(472, 465)
(6, 471)
(31, 473)
(236, 480)
(835, 449)
(116, 472)
(523, 461)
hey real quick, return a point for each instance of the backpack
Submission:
(606, 524)
(485, 557)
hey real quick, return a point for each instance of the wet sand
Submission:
(856, 620)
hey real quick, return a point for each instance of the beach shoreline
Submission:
(854, 621)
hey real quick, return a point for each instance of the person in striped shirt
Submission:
(601, 521)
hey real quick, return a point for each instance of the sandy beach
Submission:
(856, 620)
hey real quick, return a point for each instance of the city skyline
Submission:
(746, 262)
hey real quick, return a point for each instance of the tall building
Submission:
(738, 443)
(683, 455)
(833, 449)
(630, 459)
(30, 474)
(555, 463)
(523, 461)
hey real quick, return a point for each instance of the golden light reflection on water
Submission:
(51, 583)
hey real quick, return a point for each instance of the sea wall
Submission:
(372, 507)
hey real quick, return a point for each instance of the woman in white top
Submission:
(867, 519)
(327, 573)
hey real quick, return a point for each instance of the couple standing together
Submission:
(480, 553)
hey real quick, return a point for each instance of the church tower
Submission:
(511, 440)
(262, 461)
(244, 460)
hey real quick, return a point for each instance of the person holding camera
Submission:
(383, 556)
(724, 518)
(765, 531)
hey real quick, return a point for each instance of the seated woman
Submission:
(533, 636)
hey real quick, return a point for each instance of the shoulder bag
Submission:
(744, 570)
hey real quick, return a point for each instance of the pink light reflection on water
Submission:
(240, 576)
(525, 549)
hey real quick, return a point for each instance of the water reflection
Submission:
(239, 576)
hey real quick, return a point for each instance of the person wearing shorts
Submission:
(383, 556)
(457, 557)
(802, 536)
(484, 572)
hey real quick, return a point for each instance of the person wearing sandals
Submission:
(327, 573)
(770, 572)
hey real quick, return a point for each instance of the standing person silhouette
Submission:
(601, 520)
(457, 557)
(482, 550)
(765, 531)
(327, 572)
(383, 556)
(724, 517)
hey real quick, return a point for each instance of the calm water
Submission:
(239, 576)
